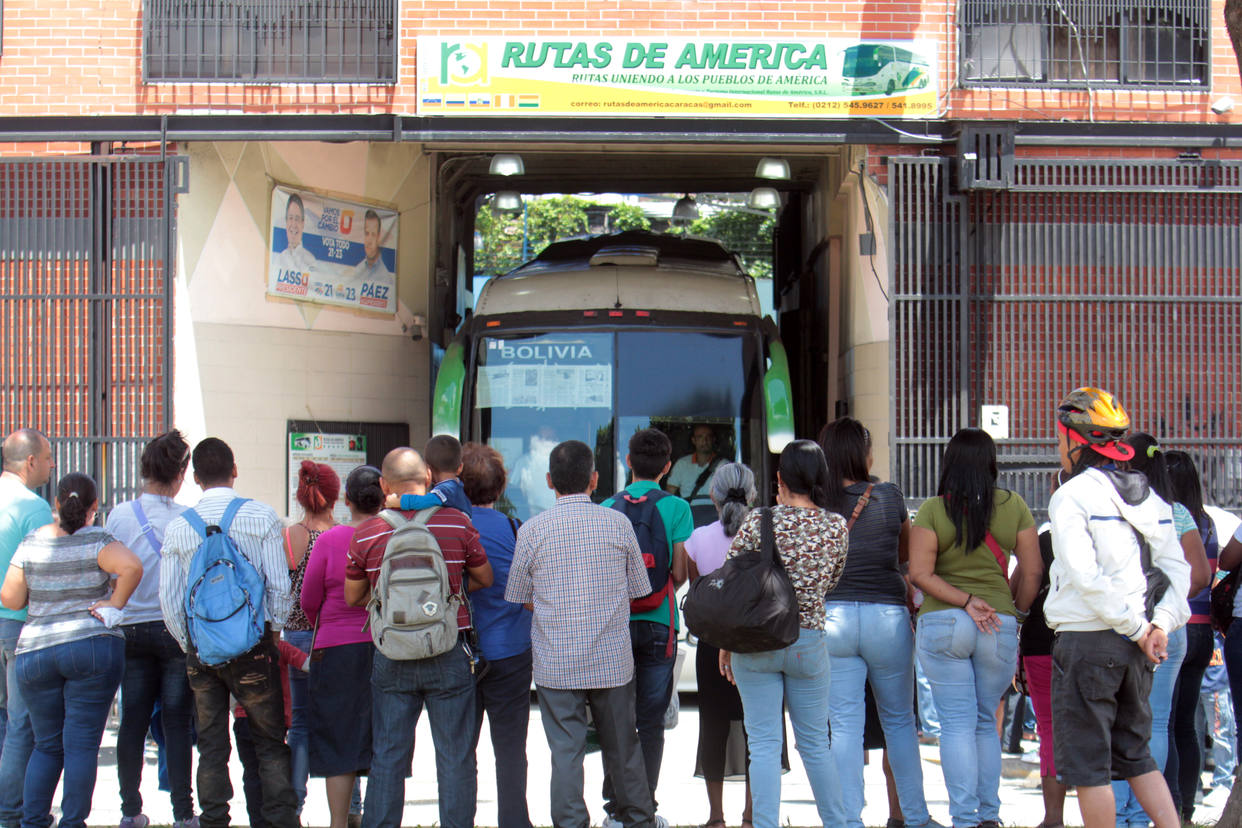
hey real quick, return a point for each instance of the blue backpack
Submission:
(224, 610)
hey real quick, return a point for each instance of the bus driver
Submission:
(691, 474)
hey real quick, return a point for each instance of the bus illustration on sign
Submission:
(882, 69)
(597, 338)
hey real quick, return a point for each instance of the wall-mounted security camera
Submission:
(417, 327)
(1222, 105)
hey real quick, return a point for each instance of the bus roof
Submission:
(634, 269)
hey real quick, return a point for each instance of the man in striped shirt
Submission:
(444, 683)
(253, 678)
(580, 565)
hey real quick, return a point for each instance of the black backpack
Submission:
(748, 605)
(644, 516)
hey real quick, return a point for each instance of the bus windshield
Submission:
(533, 391)
(861, 61)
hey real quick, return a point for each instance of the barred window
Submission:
(276, 41)
(1079, 43)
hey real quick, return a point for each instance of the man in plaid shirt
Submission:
(579, 566)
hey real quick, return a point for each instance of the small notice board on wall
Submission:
(341, 452)
(343, 446)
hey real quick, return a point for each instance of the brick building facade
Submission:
(1116, 134)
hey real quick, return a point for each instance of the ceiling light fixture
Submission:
(507, 164)
(763, 198)
(775, 169)
(506, 201)
(685, 209)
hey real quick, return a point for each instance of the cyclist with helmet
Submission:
(1108, 643)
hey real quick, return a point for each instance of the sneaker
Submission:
(139, 821)
(192, 822)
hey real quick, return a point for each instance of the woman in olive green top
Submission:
(967, 641)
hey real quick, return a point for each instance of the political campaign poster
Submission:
(332, 252)
(796, 77)
(343, 452)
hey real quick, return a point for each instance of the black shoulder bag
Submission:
(748, 605)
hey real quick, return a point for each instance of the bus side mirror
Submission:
(447, 397)
(778, 398)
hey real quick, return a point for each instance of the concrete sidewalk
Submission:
(683, 800)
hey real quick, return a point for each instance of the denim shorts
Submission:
(1101, 718)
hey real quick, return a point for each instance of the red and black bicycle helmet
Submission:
(1094, 418)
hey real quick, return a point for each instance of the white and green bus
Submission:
(882, 69)
(597, 338)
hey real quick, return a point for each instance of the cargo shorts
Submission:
(1101, 718)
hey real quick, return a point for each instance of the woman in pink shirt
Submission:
(340, 746)
(722, 739)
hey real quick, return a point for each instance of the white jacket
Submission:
(1097, 571)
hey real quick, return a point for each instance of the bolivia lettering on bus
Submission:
(292, 281)
(544, 352)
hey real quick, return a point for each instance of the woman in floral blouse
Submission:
(811, 542)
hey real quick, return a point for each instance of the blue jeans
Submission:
(9, 632)
(653, 689)
(929, 719)
(69, 689)
(969, 672)
(154, 671)
(399, 689)
(1218, 721)
(1129, 811)
(18, 737)
(797, 675)
(1231, 649)
(504, 694)
(874, 642)
(299, 710)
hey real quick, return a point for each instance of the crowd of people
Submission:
(434, 598)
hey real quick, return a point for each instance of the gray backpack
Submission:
(413, 609)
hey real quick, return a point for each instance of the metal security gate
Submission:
(86, 308)
(1126, 275)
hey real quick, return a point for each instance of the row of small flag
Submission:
(482, 101)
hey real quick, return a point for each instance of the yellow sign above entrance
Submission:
(798, 78)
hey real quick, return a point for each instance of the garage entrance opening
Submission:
(488, 224)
